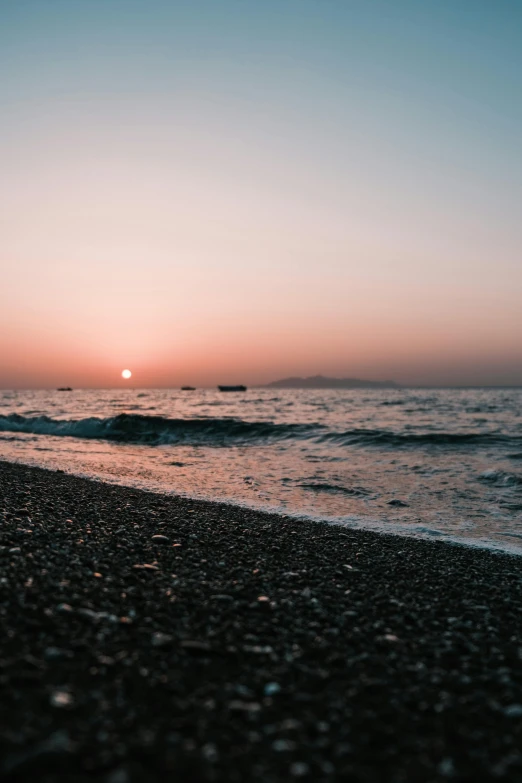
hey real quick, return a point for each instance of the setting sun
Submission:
(126, 374)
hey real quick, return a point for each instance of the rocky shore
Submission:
(154, 638)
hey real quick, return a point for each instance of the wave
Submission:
(157, 430)
(411, 439)
(501, 478)
(215, 431)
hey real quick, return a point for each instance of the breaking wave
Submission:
(213, 431)
(156, 430)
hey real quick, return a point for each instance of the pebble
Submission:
(118, 776)
(244, 706)
(315, 669)
(96, 617)
(281, 745)
(55, 653)
(299, 769)
(161, 639)
(160, 539)
(61, 699)
(446, 768)
(513, 711)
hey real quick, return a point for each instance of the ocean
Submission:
(443, 464)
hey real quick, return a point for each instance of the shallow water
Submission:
(445, 463)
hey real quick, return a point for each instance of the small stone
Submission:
(96, 617)
(61, 699)
(118, 776)
(243, 690)
(146, 566)
(299, 769)
(89, 614)
(64, 608)
(160, 539)
(291, 724)
(160, 639)
(281, 745)
(397, 502)
(244, 706)
(446, 768)
(258, 649)
(271, 688)
(55, 654)
(263, 599)
(105, 660)
(513, 711)
(210, 752)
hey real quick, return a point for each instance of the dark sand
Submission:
(375, 658)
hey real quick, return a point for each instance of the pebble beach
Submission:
(148, 637)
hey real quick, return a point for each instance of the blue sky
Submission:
(317, 169)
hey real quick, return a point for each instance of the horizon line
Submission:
(398, 387)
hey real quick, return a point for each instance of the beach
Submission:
(149, 637)
(442, 463)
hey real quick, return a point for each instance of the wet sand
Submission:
(242, 646)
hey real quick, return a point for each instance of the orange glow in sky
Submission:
(189, 193)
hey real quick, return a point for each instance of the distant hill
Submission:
(320, 382)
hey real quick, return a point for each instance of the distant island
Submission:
(320, 382)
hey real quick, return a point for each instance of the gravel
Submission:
(153, 638)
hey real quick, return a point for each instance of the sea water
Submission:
(429, 463)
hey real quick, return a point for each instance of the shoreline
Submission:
(369, 524)
(248, 645)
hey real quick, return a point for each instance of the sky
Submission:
(238, 191)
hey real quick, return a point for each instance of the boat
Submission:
(232, 388)
(64, 388)
(188, 388)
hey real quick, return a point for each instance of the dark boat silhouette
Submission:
(188, 388)
(232, 388)
(64, 388)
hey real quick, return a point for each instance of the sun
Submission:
(126, 374)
